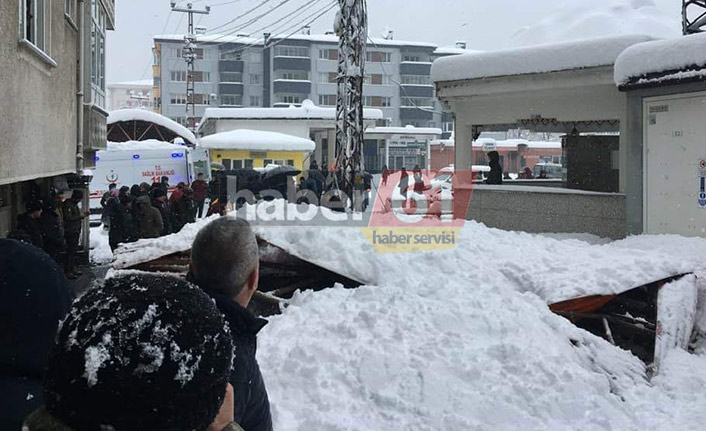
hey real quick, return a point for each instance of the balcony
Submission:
(413, 113)
(414, 68)
(291, 86)
(291, 63)
(230, 66)
(110, 13)
(407, 90)
(230, 88)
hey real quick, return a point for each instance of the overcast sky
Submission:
(484, 24)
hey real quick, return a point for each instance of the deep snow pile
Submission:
(459, 339)
(580, 19)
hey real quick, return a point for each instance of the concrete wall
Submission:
(38, 113)
(545, 210)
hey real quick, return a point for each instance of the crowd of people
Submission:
(136, 351)
(54, 224)
(145, 211)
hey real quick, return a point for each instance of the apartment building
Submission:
(241, 71)
(130, 94)
(52, 54)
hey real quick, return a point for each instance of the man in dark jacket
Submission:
(120, 223)
(73, 219)
(31, 224)
(104, 202)
(160, 202)
(53, 227)
(496, 171)
(164, 185)
(148, 220)
(200, 188)
(184, 210)
(34, 298)
(225, 263)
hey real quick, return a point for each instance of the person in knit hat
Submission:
(140, 352)
(34, 297)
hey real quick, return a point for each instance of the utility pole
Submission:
(189, 54)
(351, 26)
(693, 16)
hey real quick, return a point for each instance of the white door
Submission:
(675, 146)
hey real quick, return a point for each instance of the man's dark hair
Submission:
(200, 174)
(224, 256)
(112, 186)
(77, 194)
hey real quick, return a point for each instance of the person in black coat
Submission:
(159, 201)
(495, 176)
(34, 297)
(53, 228)
(225, 264)
(184, 210)
(30, 222)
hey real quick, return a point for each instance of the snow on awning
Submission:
(150, 144)
(127, 115)
(534, 59)
(407, 130)
(655, 62)
(257, 140)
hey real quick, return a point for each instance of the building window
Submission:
(417, 101)
(237, 163)
(328, 77)
(385, 122)
(231, 77)
(431, 124)
(291, 51)
(328, 54)
(293, 99)
(447, 126)
(231, 100)
(99, 19)
(376, 79)
(414, 59)
(378, 56)
(232, 55)
(202, 76)
(415, 80)
(255, 79)
(178, 75)
(177, 99)
(295, 76)
(280, 162)
(34, 23)
(255, 101)
(327, 99)
(377, 101)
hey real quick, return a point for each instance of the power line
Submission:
(283, 27)
(244, 14)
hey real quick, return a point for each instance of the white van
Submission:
(135, 162)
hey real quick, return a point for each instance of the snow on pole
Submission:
(351, 26)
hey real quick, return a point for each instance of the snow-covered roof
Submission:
(660, 60)
(257, 140)
(307, 111)
(121, 115)
(535, 59)
(316, 38)
(132, 84)
(407, 130)
(444, 142)
(581, 19)
(454, 50)
(150, 144)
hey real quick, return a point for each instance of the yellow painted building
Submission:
(256, 149)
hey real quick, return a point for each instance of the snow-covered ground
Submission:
(462, 339)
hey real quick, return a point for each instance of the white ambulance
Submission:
(136, 162)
